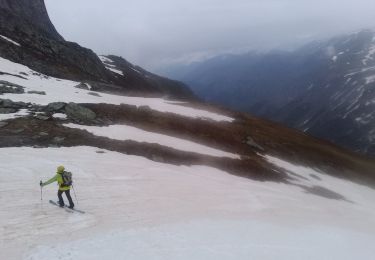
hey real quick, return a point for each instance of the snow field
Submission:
(59, 90)
(125, 132)
(140, 209)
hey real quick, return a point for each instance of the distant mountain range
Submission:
(326, 89)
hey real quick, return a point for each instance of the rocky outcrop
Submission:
(79, 113)
(7, 87)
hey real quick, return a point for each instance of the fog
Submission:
(153, 34)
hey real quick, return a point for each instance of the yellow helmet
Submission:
(60, 169)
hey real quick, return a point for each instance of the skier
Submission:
(64, 185)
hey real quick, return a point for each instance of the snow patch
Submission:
(88, 86)
(60, 116)
(115, 71)
(10, 40)
(125, 132)
(108, 64)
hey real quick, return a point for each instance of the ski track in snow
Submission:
(140, 209)
(59, 90)
(125, 132)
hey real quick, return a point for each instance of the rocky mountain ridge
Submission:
(326, 88)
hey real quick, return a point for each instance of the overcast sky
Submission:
(153, 33)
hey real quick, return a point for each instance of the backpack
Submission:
(67, 179)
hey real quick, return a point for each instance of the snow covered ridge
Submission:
(141, 209)
(108, 64)
(10, 40)
(59, 90)
(124, 132)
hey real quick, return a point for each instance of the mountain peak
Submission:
(34, 17)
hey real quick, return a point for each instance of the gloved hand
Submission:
(41, 184)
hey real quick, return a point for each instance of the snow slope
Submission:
(140, 209)
(59, 90)
(125, 132)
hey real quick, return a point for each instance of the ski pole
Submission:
(75, 194)
(41, 191)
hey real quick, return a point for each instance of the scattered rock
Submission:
(7, 103)
(79, 113)
(250, 141)
(36, 92)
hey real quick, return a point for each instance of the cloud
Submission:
(153, 33)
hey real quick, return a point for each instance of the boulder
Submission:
(7, 103)
(79, 113)
(55, 106)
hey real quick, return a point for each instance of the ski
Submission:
(67, 208)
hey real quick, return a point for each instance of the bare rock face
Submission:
(34, 15)
(41, 47)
